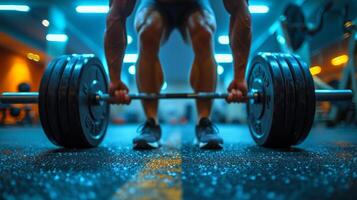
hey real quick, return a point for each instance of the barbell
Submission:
(73, 100)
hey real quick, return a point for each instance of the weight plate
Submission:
(265, 118)
(295, 25)
(45, 114)
(52, 100)
(64, 121)
(310, 99)
(89, 121)
(287, 138)
(300, 97)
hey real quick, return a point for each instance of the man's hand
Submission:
(120, 93)
(238, 91)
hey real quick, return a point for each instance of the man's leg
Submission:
(201, 26)
(150, 27)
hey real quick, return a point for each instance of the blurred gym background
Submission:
(33, 32)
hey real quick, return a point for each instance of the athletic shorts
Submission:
(176, 14)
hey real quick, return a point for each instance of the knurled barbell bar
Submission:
(32, 97)
(74, 101)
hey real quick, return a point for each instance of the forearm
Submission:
(116, 37)
(240, 35)
(115, 45)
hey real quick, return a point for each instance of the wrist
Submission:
(115, 81)
(239, 77)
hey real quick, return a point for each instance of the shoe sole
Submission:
(142, 145)
(210, 146)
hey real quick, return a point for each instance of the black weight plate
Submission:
(43, 105)
(310, 99)
(89, 121)
(53, 113)
(265, 118)
(295, 25)
(300, 96)
(77, 137)
(287, 138)
(63, 109)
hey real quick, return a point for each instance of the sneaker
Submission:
(149, 136)
(207, 135)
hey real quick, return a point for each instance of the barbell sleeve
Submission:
(19, 98)
(333, 95)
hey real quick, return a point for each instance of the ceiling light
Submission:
(45, 23)
(315, 70)
(130, 58)
(339, 60)
(56, 37)
(34, 57)
(19, 8)
(220, 69)
(258, 9)
(129, 39)
(132, 70)
(92, 9)
(224, 58)
(223, 39)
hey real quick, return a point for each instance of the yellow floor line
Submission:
(160, 178)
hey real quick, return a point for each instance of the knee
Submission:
(202, 35)
(150, 34)
(121, 9)
(236, 6)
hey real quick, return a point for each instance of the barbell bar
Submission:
(32, 97)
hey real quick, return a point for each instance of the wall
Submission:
(15, 69)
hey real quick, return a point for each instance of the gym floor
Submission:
(323, 167)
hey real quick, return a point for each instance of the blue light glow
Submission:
(164, 86)
(220, 69)
(258, 9)
(223, 39)
(281, 39)
(19, 8)
(130, 58)
(129, 39)
(92, 9)
(224, 58)
(56, 37)
(132, 70)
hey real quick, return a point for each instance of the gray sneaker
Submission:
(149, 136)
(207, 135)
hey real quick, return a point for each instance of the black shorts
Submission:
(176, 14)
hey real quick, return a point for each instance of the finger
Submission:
(234, 96)
(118, 97)
(122, 97)
(240, 96)
(229, 98)
(127, 99)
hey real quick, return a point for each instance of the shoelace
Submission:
(141, 129)
(212, 127)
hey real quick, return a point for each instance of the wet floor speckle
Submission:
(324, 167)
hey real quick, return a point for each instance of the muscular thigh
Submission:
(150, 18)
(198, 21)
